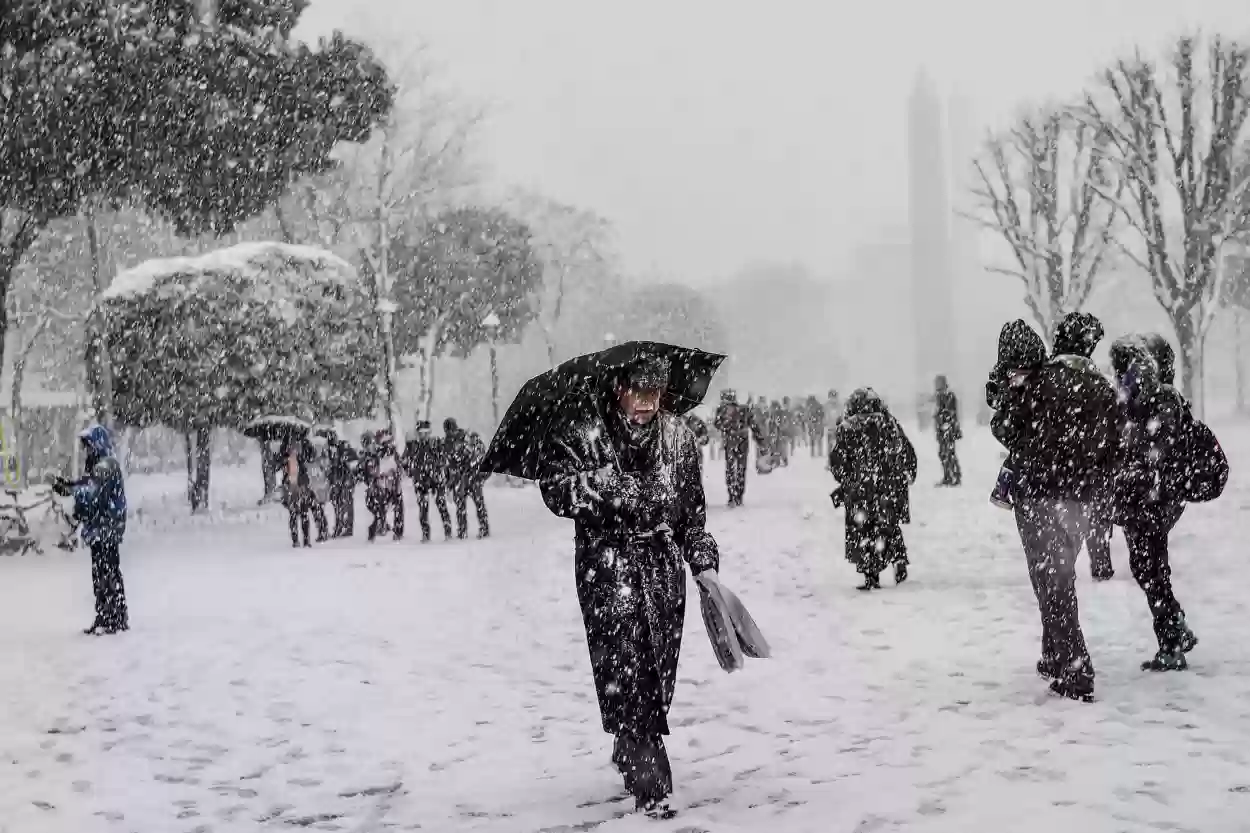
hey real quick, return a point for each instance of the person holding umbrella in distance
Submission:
(604, 437)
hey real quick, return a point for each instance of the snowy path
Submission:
(447, 688)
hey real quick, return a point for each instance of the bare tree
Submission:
(415, 164)
(575, 247)
(1176, 130)
(1039, 191)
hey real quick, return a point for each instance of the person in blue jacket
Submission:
(100, 509)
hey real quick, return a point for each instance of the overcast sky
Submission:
(717, 132)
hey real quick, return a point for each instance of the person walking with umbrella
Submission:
(604, 437)
(635, 493)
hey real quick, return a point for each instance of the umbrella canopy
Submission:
(281, 428)
(517, 444)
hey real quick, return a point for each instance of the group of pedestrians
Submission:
(322, 469)
(1086, 452)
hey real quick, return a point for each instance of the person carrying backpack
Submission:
(1166, 458)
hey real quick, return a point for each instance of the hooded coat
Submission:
(1151, 417)
(100, 496)
(635, 495)
(873, 461)
(1057, 421)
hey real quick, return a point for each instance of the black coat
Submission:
(734, 422)
(946, 416)
(636, 499)
(1150, 426)
(462, 453)
(1058, 423)
(343, 461)
(875, 464)
(425, 461)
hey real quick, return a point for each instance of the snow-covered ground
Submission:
(447, 687)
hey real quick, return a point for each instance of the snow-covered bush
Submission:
(241, 332)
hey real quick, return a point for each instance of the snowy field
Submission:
(447, 687)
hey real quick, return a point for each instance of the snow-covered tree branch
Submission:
(576, 251)
(1176, 128)
(1038, 189)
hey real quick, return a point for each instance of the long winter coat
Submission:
(636, 498)
(874, 463)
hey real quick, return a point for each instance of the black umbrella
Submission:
(280, 428)
(515, 448)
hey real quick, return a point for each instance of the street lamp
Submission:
(491, 324)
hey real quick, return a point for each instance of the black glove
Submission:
(837, 497)
(62, 486)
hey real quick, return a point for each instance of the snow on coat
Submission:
(100, 496)
(636, 498)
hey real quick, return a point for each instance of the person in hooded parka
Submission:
(1078, 334)
(875, 466)
(630, 477)
(1152, 413)
(1057, 421)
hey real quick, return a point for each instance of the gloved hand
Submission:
(61, 486)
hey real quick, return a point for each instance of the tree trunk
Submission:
(494, 387)
(17, 444)
(99, 369)
(203, 462)
(268, 470)
(190, 469)
(1191, 357)
(1239, 357)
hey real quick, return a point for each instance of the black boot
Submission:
(900, 572)
(1049, 669)
(1074, 688)
(1166, 660)
(872, 581)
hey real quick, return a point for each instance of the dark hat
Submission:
(423, 425)
(648, 372)
(450, 426)
(1164, 356)
(1078, 334)
(1020, 347)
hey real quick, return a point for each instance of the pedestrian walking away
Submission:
(875, 465)
(1078, 334)
(1148, 502)
(948, 430)
(1057, 421)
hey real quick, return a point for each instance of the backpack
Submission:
(1199, 468)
